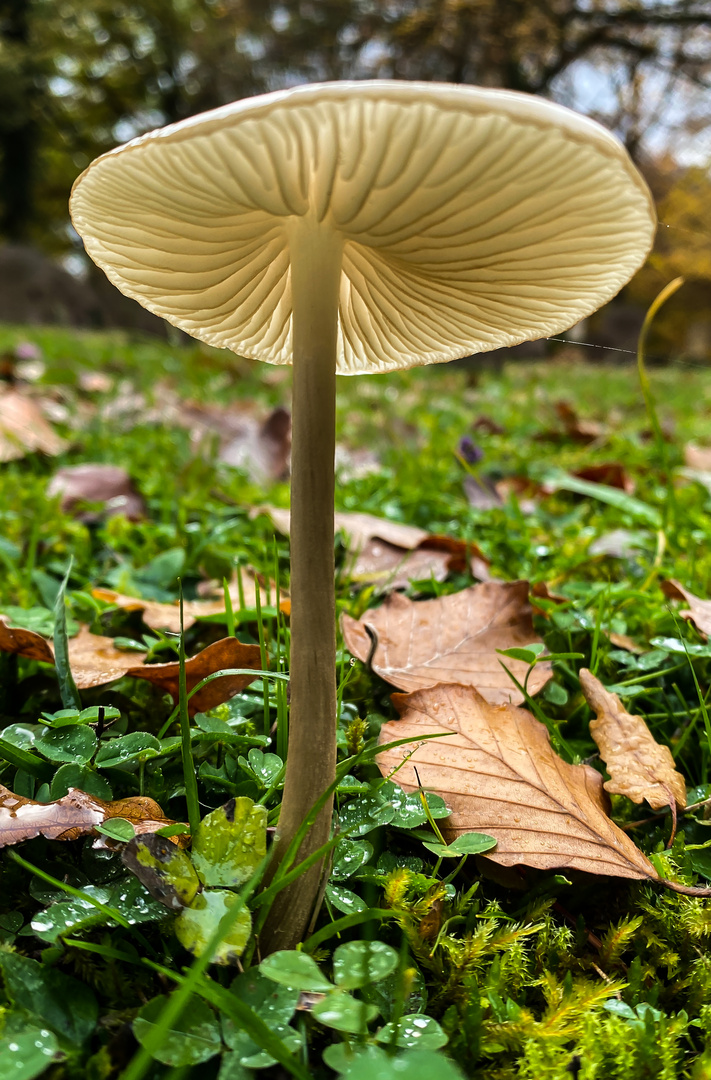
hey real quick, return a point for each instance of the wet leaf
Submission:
(638, 766)
(27, 643)
(358, 963)
(413, 1032)
(72, 743)
(230, 843)
(28, 1052)
(344, 1013)
(295, 969)
(412, 1065)
(193, 1038)
(75, 814)
(698, 612)
(77, 915)
(163, 869)
(344, 899)
(452, 639)
(23, 428)
(58, 1001)
(109, 485)
(197, 923)
(499, 774)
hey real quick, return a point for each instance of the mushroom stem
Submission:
(316, 254)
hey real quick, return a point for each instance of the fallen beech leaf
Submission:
(623, 641)
(698, 457)
(390, 553)
(499, 775)
(160, 616)
(259, 446)
(27, 643)
(699, 611)
(75, 814)
(638, 766)
(226, 653)
(95, 661)
(481, 494)
(452, 639)
(584, 431)
(107, 484)
(23, 428)
(618, 544)
(613, 474)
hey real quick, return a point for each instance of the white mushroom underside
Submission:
(464, 230)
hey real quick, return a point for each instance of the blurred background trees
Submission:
(79, 76)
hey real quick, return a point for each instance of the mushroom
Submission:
(359, 227)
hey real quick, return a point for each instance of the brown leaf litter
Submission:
(390, 554)
(451, 639)
(698, 612)
(499, 775)
(23, 428)
(109, 485)
(75, 814)
(95, 661)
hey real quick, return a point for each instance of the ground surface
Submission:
(534, 973)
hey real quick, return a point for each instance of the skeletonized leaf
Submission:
(75, 814)
(496, 769)
(638, 766)
(698, 612)
(452, 639)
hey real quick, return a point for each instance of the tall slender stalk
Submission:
(316, 253)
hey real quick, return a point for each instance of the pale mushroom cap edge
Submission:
(471, 219)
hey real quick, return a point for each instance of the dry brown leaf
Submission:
(259, 446)
(452, 639)
(75, 814)
(481, 493)
(698, 457)
(94, 483)
(623, 641)
(638, 766)
(160, 616)
(699, 611)
(226, 653)
(388, 553)
(584, 431)
(499, 775)
(613, 474)
(27, 643)
(95, 661)
(23, 428)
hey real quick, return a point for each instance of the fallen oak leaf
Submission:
(162, 616)
(27, 643)
(698, 612)
(499, 775)
(226, 653)
(95, 661)
(452, 638)
(23, 428)
(109, 485)
(75, 814)
(392, 553)
(638, 766)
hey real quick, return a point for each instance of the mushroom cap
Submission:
(470, 219)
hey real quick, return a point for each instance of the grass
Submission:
(569, 975)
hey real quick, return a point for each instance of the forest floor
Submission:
(429, 956)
